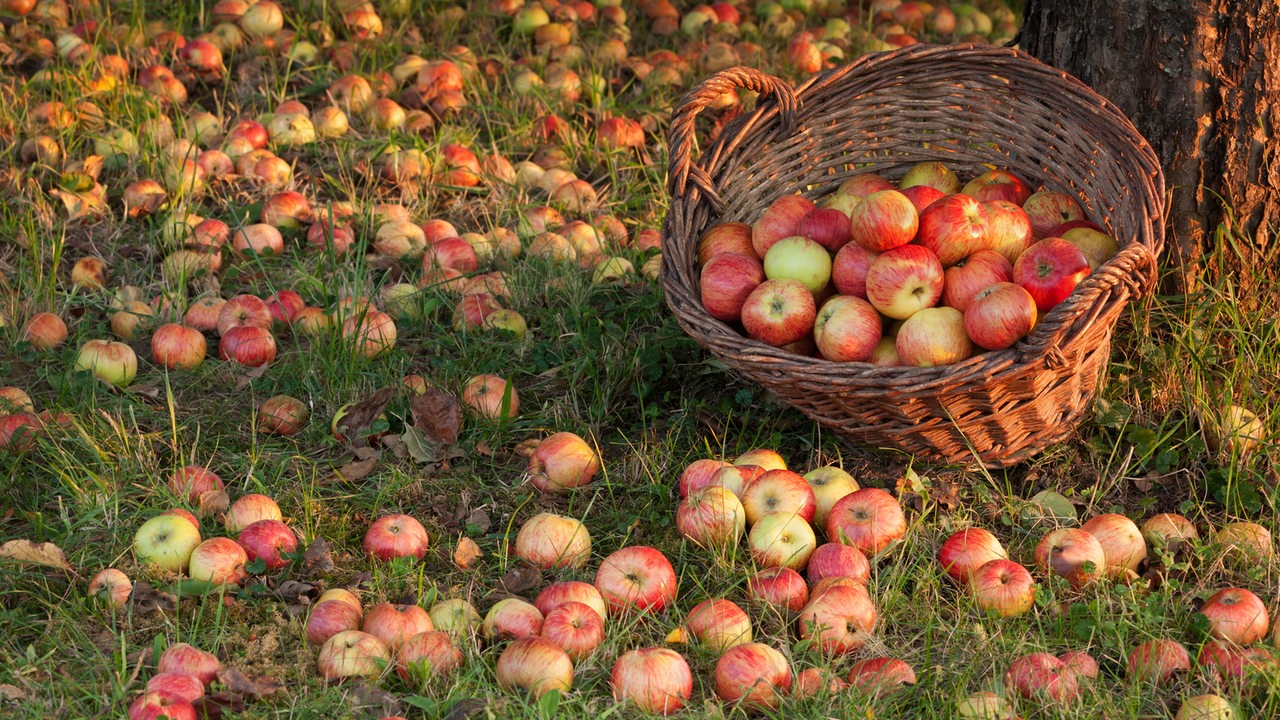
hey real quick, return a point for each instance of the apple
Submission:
(1050, 269)
(964, 551)
(352, 653)
(719, 624)
(829, 484)
(342, 595)
(781, 587)
(1158, 661)
(1236, 616)
(282, 415)
(179, 686)
(863, 184)
(249, 509)
(781, 539)
(153, 705)
(921, 197)
(778, 491)
(764, 458)
(837, 560)
(284, 306)
(726, 281)
(780, 220)
(248, 345)
(712, 517)
(997, 184)
(1246, 544)
(828, 227)
(576, 627)
(838, 619)
(636, 578)
(954, 227)
(699, 474)
(392, 536)
(1223, 663)
(109, 361)
(203, 313)
(191, 481)
(984, 705)
(1235, 431)
(535, 665)
(735, 478)
(753, 675)
(999, 316)
(1097, 246)
(779, 312)
(45, 331)
(817, 682)
(1048, 209)
(1206, 707)
(1072, 553)
(185, 658)
(1081, 663)
(18, 431)
(868, 519)
(725, 237)
(965, 279)
(455, 616)
(880, 675)
(1121, 541)
(426, 655)
(883, 220)
(112, 585)
(1003, 587)
(655, 680)
(178, 347)
(849, 270)
(1008, 229)
(934, 336)
(258, 239)
(330, 617)
(904, 280)
(847, 329)
(1040, 674)
(511, 618)
(1164, 530)
(932, 173)
(371, 333)
(549, 541)
(218, 561)
(90, 272)
(243, 309)
(270, 540)
(561, 462)
(166, 541)
(566, 591)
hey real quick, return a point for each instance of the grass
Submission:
(605, 361)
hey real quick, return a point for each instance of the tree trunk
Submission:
(1200, 79)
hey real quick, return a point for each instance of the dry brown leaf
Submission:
(247, 377)
(32, 553)
(466, 553)
(212, 706)
(90, 204)
(437, 414)
(363, 695)
(12, 692)
(254, 686)
(145, 599)
(357, 470)
(519, 579)
(359, 417)
(317, 558)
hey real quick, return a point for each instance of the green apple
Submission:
(799, 258)
(166, 541)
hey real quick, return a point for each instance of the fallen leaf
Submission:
(519, 579)
(212, 706)
(25, 551)
(526, 447)
(145, 599)
(479, 519)
(466, 708)
(466, 553)
(946, 494)
(419, 448)
(359, 417)
(254, 686)
(87, 204)
(437, 414)
(483, 448)
(247, 377)
(293, 590)
(357, 470)
(363, 695)
(12, 692)
(317, 558)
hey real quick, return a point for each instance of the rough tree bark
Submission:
(1201, 80)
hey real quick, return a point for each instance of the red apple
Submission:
(1236, 616)
(203, 313)
(269, 540)
(784, 491)
(826, 226)
(655, 680)
(511, 618)
(113, 586)
(735, 478)
(781, 587)
(711, 517)
(922, 196)
(996, 184)
(838, 560)
(781, 219)
(249, 509)
(847, 329)
(880, 675)
(1121, 541)
(192, 481)
(352, 653)
(185, 658)
(753, 675)
(868, 519)
(965, 279)
(1009, 230)
(154, 705)
(243, 309)
(392, 536)
(282, 415)
(427, 655)
(45, 331)
(535, 665)
(330, 617)
(248, 345)
(779, 312)
(219, 561)
(863, 184)
(1081, 663)
(883, 220)
(1158, 661)
(1050, 269)
(576, 627)
(726, 281)
(561, 462)
(1003, 587)
(849, 270)
(762, 457)
(1048, 209)
(999, 316)
(178, 347)
(817, 682)
(725, 237)
(393, 623)
(284, 306)
(636, 578)
(566, 591)
(1073, 554)
(954, 227)
(904, 280)
(552, 541)
(964, 551)
(1042, 675)
(933, 336)
(700, 474)
(179, 686)
(781, 539)
(838, 619)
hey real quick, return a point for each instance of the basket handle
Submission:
(681, 169)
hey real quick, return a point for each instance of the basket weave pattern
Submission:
(972, 107)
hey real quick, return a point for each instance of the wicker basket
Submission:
(972, 107)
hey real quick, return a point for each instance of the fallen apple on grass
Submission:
(754, 676)
(576, 627)
(166, 541)
(656, 680)
(552, 541)
(396, 535)
(535, 665)
(868, 519)
(561, 462)
(636, 578)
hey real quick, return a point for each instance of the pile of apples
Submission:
(924, 273)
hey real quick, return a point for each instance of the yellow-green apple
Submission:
(880, 675)
(1050, 269)
(45, 331)
(753, 675)
(726, 281)
(392, 536)
(967, 550)
(984, 705)
(563, 591)
(1000, 315)
(330, 617)
(1206, 707)
(552, 541)
(1232, 431)
(282, 415)
(1236, 616)
(185, 658)
(109, 361)
(656, 680)
(1002, 586)
(1047, 209)
(868, 519)
(777, 491)
(392, 623)
(735, 478)
(904, 280)
(863, 184)
(1158, 661)
(965, 279)
(456, 616)
(1121, 541)
(249, 509)
(838, 619)
(997, 184)
(700, 474)
(799, 258)
(780, 220)
(781, 587)
(261, 19)
(133, 320)
(817, 682)
(849, 270)
(427, 655)
(561, 462)
(1072, 553)
(176, 685)
(636, 578)
(781, 539)
(258, 239)
(576, 627)
(152, 705)
(112, 585)
(178, 347)
(828, 227)
(1245, 544)
(837, 560)
(191, 481)
(1040, 674)
(922, 196)
(1081, 662)
(779, 312)
(883, 220)
(352, 653)
(535, 665)
(219, 561)
(829, 484)
(886, 352)
(506, 320)
(933, 336)
(270, 541)
(511, 618)
(954, 227)
(932, 173)
(712, 517)
(1008, 230)
(248, 345)
(762, 457)
(725, 237)
(166, 541)
(243, 309)
(847, 329)
(1097, 246)
(1164, 529)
